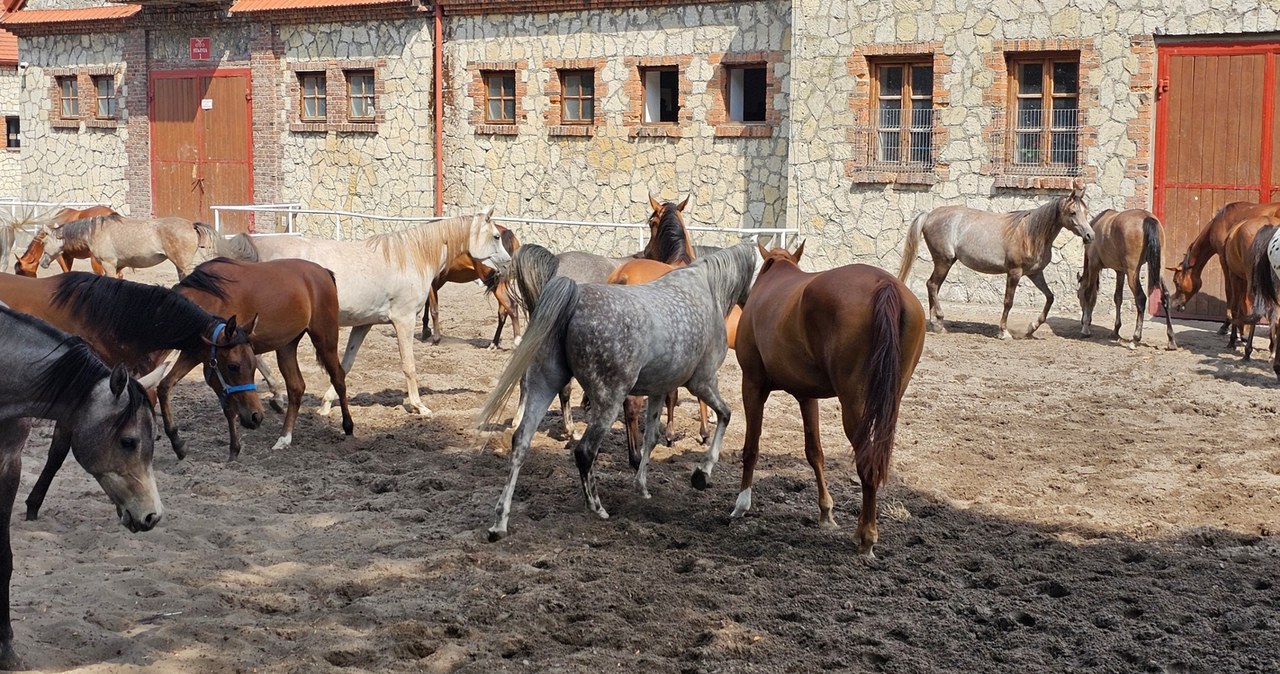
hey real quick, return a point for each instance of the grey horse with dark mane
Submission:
(617, 340)
(1017, 244)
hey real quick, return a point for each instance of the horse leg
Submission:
(181, 367)
(599, 420)
(703, 434)
(325, 344)
(404, 336)
(497, 333)
(539, 388)
(354, 340)
(672, 399)
(1088, 295)
(753, 400)
(708, 391)
(65, 261)
(566, 413)
(1119, 301)
(59, 447)
(813, 453)
(1010, 287)
(265, 370)
(1168, 318)
(941, 267)
(632, 408)
(13, 438)
(1140, 302)
(503, 293)
(433, 308)
(1228, 325)
(1247, 326)
(868, 533)
(1038, 279)
(287, 361)
(652, 412)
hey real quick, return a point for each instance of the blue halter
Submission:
(227, 389)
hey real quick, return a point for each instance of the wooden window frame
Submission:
(565, 97)
(502, 97)
(99, 99)
(1048, 95)
(64, 99)
(909, 103)
(644, 93)
(321, 98)
(371, 95)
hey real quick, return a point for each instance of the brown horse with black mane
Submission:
(853, 332)
(1123, 242)
(29, 262)
(464, 269)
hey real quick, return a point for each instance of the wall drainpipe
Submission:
(438, 77)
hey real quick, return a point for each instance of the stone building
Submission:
(843, 118)
(10, 161)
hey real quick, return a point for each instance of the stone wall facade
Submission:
(10, 158)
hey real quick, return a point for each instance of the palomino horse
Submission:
(1209, 242)
(619, 340)
(386, 279)
(465, 269)
(1264, 285)
(1017, 244)
(119, 242)
(29, 262)
(303, 301)
(127, 323)
(855, 333)
(1124, 241)
(105, 416)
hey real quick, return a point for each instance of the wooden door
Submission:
(1215, 144)
(202, 146)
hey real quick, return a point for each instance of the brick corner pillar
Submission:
(265, 57)
(138, 142)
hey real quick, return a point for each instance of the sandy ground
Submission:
(1056, 504)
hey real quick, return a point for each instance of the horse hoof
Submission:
(1004, 334)
(325, 408)
(9, 660)
(1171, 347)
(275, 405)
(516, 341)
(496, 534)
(282, 443)
(180, 448)
(493, 346)
(1086, 333)
(421, 409)
(828, 522)
(699, 480)
(33, 514)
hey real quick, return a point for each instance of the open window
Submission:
(661, 94)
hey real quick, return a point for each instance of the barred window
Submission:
(903, 112)
(499, 96)
(1045, 101)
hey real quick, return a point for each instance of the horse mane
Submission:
(728, 272)
(145, 317)
(670, 243)
(419, 247)
(532, 267)
(1041, 220)
(81, 231)
(239, 247)
(205, 280)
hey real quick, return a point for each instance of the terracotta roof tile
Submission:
(38, 16)
(246, 6)
(8, 48)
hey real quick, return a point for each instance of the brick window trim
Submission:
(718, 88)
(633, 89)
(552, 117)
(996, 98)
(476, 92)
(860, 63)
(335, 93)
(87, 93)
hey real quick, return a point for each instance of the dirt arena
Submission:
(1056, 504)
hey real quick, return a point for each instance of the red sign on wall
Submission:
(200, 49)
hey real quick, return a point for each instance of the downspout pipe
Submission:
(438, 77)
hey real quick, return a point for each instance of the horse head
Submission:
(1186, 282)
(1073, 213)
(772, 256)
(112, 436)
(229, 370)
(668, 238)
(28, 262)
(52, 244)
(484, 241)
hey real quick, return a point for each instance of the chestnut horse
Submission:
(853, 332)
(29, 262)
(1244, 248)
(1209, 242)
(1122, 242)
(464, 269)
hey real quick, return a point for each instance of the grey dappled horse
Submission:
(1018, 244)
(617, 340)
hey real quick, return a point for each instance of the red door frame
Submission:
(211, 73)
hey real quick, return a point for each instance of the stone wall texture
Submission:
(10, 160)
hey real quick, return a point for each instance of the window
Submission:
(69, 97)
(500, 97)
(105, 85)
(748, 87)
(903, 113)
(360, 99)
(577, 96)
(314, 105)
(661, 95)
(1045, 94)
(13, 132)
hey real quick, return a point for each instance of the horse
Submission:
(1017, 244)
(1123, 242)
(29, 262)
(619, 340)
(130, 324)
(105, 416)
(1209, 242)
(465, 269)
(668, 242)
(1243, 249)
(119, 242)
(1263, 284)
(386, 279)
(855, 333)
(303, 302)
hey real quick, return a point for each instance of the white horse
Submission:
(386, 278)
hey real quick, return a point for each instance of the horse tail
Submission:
(909, 248)
(558, 302)
(873, 438)
(1263, 276)
(532, 267)
(239, 247)
(1151, 250)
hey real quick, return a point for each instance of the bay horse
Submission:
(119, 242)
(105, 416)
(855, 333)
(465, 269)
(1123, 241)
(29, 262)
(386, 278)
(1243, 249)
(1016, 244)
(1263, 285)
(619, 340)
(133, 324)
(1209, 242)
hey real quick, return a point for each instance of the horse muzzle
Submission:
(251, 421)
(138, 523)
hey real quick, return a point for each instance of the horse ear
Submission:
(229, 331)
(761, 249)
(251, 325)
(799, 251)
(118, 380)
(653, 203)
(680, 206)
